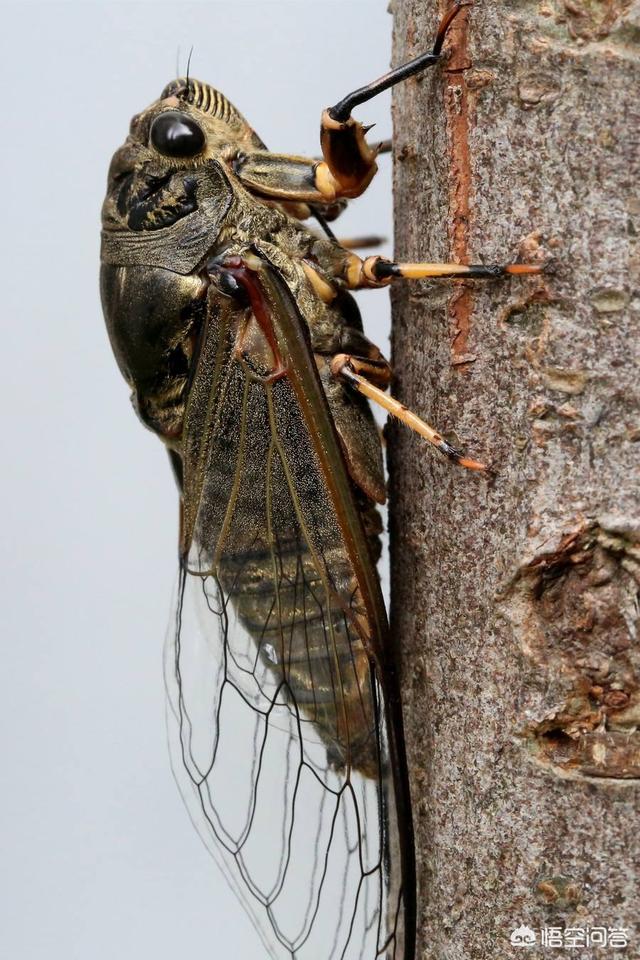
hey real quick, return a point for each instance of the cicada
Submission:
(233, 323)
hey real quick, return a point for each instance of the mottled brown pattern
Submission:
(520, 682)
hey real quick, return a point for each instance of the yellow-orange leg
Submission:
(375, 373)
(350, 369)
(378, 272)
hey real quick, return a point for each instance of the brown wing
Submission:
(281, 690)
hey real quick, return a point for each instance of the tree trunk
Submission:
(514, 596)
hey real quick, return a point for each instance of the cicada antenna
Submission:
(188, 65)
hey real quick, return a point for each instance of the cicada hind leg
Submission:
(371, 378)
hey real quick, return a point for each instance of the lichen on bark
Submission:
(515, 597)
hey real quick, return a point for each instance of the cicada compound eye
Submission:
(176, 134)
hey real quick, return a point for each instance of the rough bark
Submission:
(514, 597)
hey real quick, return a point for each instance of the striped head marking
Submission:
(208, 100)
(203, 97)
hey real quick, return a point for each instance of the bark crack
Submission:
(457, 116)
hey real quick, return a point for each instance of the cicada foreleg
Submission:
(371, 377)
(348, 162)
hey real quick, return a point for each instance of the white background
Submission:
(99, 859)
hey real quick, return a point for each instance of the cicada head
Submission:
(189, 125)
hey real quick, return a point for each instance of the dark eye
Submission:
(176, 135)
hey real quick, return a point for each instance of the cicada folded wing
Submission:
(278, 719)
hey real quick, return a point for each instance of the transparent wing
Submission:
(277, 716)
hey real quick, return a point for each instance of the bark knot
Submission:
(574, 607)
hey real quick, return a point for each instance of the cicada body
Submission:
(233, 324)
(284, 711)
